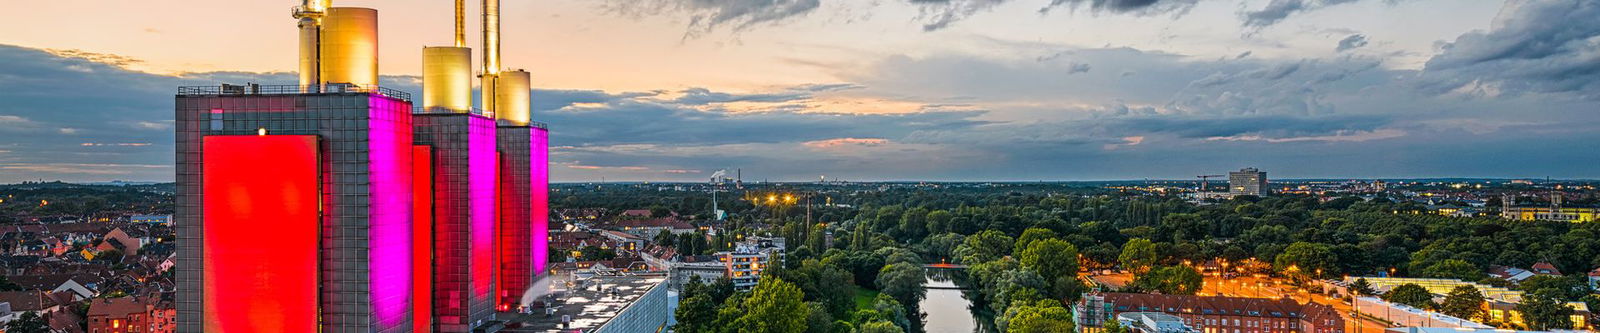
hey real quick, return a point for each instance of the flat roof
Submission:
(590, 302)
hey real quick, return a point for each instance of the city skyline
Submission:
(896, 90)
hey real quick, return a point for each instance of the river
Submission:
(947, 309)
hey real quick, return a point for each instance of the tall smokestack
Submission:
(461, 23)
(491, 53)
(310, 13)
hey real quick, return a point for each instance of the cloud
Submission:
(841, 142)
(1142, 7)
(1352, 42)
(708, 15)
(1278, 10)
(940, 14)
(1534, 46)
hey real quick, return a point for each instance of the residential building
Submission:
(120, 315)
(1211, 314)
(1248, 181)
(744, 264)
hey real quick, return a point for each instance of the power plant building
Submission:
(339, 206)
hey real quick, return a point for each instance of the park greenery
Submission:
(1023, 249)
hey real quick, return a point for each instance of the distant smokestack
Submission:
(350, 46)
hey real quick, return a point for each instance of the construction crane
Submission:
(1204, 179)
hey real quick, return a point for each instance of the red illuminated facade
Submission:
(254, 283)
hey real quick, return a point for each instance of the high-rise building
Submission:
(1248, 181)
(334, 205)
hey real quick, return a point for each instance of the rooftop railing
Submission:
(260, 89)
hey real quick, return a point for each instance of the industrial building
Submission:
(336, 205)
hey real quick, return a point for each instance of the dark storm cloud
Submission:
(1352, 42)
(1535, 46)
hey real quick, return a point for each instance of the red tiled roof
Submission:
(26, 300)
(1543, 267)
(117, 307)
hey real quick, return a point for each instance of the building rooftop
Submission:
(589, 302)
(260, 89)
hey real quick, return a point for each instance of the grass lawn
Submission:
(864, 298)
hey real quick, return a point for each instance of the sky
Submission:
(867, 90)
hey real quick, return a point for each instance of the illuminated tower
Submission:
(523, 225)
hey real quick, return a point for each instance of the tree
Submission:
(1560, 287)
(891, 310)
(592, 253)
(1362, 287)
(1410, 294)
(774, 306)
(1044, 316)
(1171, 280)
(984, 246)
(1028, 237)
(1138, 255)
(903, 281)
(1050, 258)
(879, 327)
(696, 314)
(1464, 302)
(1113, 326)
(1544, 312)
(1307, 258)
(1454, 269)
(29, 322)
(817, 318)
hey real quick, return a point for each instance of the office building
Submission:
(1248, 181)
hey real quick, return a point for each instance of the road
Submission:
(1260, 287)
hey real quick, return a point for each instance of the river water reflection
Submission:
(949, 309)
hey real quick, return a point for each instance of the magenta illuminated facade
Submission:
(524, 219)
(464, 183)
(363, 214)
